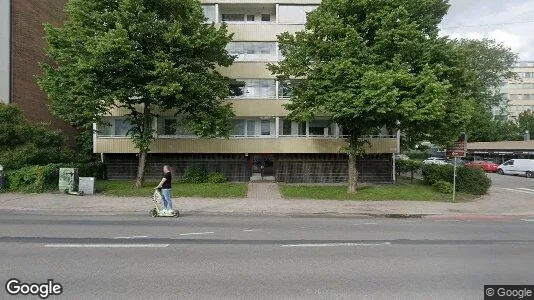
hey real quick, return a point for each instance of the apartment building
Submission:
(520, 91)
(21, 49)
(263, 140)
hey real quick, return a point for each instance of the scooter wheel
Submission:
(153, 213)
(176, 213)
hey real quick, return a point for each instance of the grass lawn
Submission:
(207, 190)
(400, 191)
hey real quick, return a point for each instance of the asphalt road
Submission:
(203, 257)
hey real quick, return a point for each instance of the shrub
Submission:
(470, 181)
(37, 179)
(33, 179)
(443, 186)
(410, 165)
(195, 175)
(216, 177)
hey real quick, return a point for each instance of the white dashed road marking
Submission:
(197, 233)
(250, 230)
(131, 237)
(337, 245)
(106, 245)
(528, 220)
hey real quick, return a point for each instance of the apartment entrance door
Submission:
(263, 165)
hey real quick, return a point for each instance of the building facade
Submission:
(263, 139)
(519, 91)
(21, 49)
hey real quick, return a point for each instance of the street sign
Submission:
(460, 147)
(458, 150)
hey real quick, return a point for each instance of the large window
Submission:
(252, 50)
(265, 127)
(253, 89)
(172, 127)
(122, 126)
(233, 17)
(285, 88)
(294, 14)
(209, 13)
(253, 127)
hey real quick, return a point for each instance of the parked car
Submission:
(401, 157)
(435, 161)
(485, 165)
(517, 167)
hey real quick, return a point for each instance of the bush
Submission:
(33, 179)
(408, 166)
(38, 179)
(24, 144)
(195, 175)
(472, 181)
(216, 177)
(443, 186)
(469, 181)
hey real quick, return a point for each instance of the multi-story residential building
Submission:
(262, 134)
(21, 50)
(520, 91)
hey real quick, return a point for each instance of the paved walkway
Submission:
(264, 191)
(265, 199)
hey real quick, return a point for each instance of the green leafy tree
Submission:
(484, 128)
(22, 143)
(144, 57)
(381, 64)
(525, 121)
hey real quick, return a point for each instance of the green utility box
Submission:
(68, 179)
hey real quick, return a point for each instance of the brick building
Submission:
(21, 49)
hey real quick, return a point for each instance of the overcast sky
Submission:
(465, 15)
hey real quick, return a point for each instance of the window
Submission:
(294, 14)
(233, 17)
(319, 127)
(265, 17)
(250, 51)
(239, 128)
(250, 18)
(253, 89)
(251, 127)
(285, 127)
(265, 127)
(105, 130)
(302, 128)
(169, 126)
(122, 127)
(209, 13)
(285, 88)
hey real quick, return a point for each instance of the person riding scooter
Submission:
(165, 185)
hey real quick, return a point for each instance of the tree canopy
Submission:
(143, 56)
(382, 64)
(22, 143)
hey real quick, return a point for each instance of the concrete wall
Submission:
(5, 25)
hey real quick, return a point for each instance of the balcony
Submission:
(267, 144)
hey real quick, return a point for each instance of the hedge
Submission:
(469, 181)
(408, 166)
(37, 179)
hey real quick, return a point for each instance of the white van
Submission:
(518, 167)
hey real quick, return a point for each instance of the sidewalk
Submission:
(265, 199)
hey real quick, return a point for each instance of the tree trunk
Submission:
(353, 174)
(141, 169)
